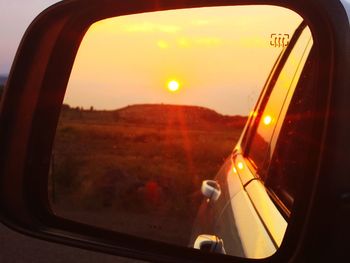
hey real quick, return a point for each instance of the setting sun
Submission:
(173, 85)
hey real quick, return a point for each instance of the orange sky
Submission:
(221, 57)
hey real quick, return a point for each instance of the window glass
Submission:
(264, 140)
(295, 141)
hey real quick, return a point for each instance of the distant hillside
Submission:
(157, 114)
(3, 80)
(138, 169)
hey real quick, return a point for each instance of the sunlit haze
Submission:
(218, 58)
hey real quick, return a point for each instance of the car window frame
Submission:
(261, 171)
(253, 121)
(284, 206)
(254, 117)
(261, 105)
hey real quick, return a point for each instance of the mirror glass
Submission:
(155, 104)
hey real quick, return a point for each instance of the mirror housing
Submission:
(32, 101)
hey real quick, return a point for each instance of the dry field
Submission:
(138, 170)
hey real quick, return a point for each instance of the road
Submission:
(18, 248)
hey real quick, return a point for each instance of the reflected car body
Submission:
(257, 194)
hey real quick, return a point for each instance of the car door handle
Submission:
(210, 243)
(211, 189)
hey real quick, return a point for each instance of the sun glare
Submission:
(173, 85)
(267, 120)
(240, 165)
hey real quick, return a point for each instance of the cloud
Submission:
(151, 27)
(162, 44)
(198, 41)
(200, 22)
(183, 42)
(208, 41)
(254, 42)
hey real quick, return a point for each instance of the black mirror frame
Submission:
(32, 101)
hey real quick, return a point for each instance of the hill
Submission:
(157, 114)
(3, 80)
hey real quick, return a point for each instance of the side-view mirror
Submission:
(116, 113)
(211, 189)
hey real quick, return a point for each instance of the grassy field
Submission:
(139, 169)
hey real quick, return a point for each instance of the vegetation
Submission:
(1, 90)
(138, 169)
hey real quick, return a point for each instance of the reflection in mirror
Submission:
(154, 106)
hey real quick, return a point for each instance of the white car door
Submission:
(260, 219)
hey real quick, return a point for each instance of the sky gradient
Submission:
(220, 56)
